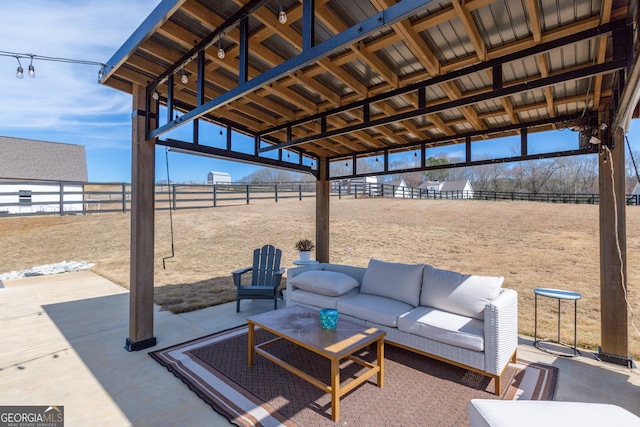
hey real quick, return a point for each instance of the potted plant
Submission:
(304, 246)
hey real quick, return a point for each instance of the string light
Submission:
(155, 95)
(220, 49)
(31, 70)
(19, 71)
(184, 79)
(282, 16)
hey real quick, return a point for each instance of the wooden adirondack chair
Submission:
(265, 278)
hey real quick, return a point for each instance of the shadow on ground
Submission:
(96, 329)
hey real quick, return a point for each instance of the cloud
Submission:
(65, 99)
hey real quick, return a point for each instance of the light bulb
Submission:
(155, 95)
(220, 52)
(32, 71)
(100, 73)
(184, 79)
(20, 70)
(282, 16)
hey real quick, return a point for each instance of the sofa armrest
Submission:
(500, 331)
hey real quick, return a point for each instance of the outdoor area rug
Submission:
(417, 390)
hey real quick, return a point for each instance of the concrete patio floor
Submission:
(63, 344)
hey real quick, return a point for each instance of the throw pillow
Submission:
(322, 282)
(397, 281)
(462, 294)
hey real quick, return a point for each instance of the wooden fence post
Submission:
(248, 194)
(215, 196)
(61, 198)
(300, 192)
(124, 197)
(174, 197)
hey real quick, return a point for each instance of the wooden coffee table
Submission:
(301, 326)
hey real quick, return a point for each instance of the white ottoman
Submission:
(536, 413)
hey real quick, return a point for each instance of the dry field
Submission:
(530, 244)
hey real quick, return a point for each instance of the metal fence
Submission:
(68, 198)
(389, 190)
(65, 198)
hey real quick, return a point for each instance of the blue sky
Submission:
(64, 103)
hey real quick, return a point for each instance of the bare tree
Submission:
(532, 176)
(271, 175)
(490, 177)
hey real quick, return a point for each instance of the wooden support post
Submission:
(613, 252)
(142, 230)
(322, 211)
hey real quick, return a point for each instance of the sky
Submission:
(65, 103)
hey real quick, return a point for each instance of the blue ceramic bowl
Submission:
(328, 318)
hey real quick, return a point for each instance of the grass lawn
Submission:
(530, 244)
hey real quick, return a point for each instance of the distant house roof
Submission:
(400, 183)
(429, 184)
(454, 185)
(41, 160)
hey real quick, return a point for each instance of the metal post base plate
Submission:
(130, 345)
(618, 360)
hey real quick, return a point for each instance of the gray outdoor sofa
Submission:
(465, 320)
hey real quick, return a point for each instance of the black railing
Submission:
(65, 198)
(68, 198)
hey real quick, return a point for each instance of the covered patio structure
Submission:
(338, 88)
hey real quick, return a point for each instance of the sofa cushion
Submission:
(401, 282)
(322, 282)
(373, 308)
(300, 296)
(445, 327)
(535, 413)
(462, 294)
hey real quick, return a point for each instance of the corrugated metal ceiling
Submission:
(442, 37)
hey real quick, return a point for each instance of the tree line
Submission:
(563, 175)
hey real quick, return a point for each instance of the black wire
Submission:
(166, 153)
(49, 58)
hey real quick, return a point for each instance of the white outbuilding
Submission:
(40, 176)
(396, 189)
(218, 178)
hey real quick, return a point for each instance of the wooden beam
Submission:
(323, 187)
(534, 19)
(412, 40)
(142, 229)
(601, 51)
(543, 65)
(613, 250)
(471, 29)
